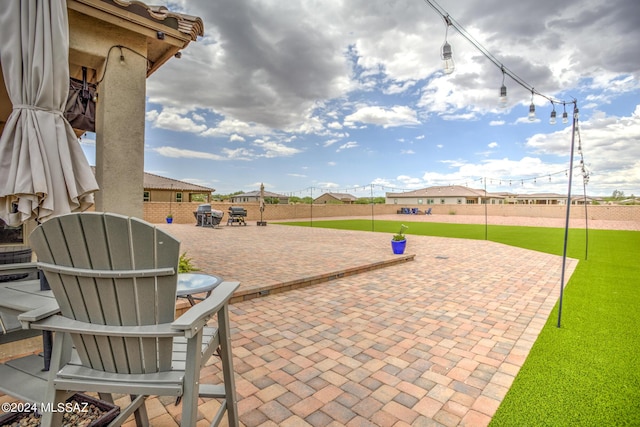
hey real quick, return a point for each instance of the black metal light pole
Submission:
(566, 225)
(372, 222)
(486, 201)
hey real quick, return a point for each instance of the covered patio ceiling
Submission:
(149, 36)
(176, 29)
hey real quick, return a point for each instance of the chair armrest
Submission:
(197, 316)
(19, 267)
(28, 317)
(58, 323)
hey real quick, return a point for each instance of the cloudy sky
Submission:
(349, 96)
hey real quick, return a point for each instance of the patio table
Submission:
(190, 284)
(25, 377)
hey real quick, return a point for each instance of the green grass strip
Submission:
(586, 373)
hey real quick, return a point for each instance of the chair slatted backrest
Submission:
(140, 290)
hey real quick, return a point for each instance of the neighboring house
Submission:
(254, 197)
(444, 195)
(629, 201)
(581, 200)
(160, 189)
(338, 198)
(540, 199)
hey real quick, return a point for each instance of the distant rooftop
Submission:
(157, 182)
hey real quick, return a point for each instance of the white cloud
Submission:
(385, 117)
(175, 122)
(493, 145)
(346, 146)
(275, 149)
(198, 117)
(329, 142)
(186, 154)
(328, 185)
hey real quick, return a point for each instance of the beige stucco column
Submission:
(120, 110)
(120, 120)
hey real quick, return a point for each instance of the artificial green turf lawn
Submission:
(587, 372)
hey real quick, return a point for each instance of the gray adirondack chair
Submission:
(115, 279)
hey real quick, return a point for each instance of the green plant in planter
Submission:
(169, 216)
(184, 264)
(400, 236)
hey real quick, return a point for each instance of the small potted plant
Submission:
(399, 241)
(169, 219)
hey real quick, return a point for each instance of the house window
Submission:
(430, 201)
(442, 201)
(146, 196)
(470, 201)
(419, 201)
(179, 197)
(459, 201)
(395, 201)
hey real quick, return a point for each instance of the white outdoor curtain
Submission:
(43, 170)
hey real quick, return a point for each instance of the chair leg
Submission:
(141, 417)
(60, 355)
(191, 381)
(227, 366)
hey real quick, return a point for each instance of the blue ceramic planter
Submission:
(169, 220)
(398, 246)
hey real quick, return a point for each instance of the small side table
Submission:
(190, 284)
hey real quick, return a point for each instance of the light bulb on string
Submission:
(502, 101)
(532, 109)
(565, 117)
(552, 119)
(447, 54)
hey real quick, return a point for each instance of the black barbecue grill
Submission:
(237, 215)
(207, 217)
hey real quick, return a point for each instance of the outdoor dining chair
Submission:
(115, 278)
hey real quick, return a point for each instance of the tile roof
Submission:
(157, 182)
(257, 194)
(445, 191)
(342, 196)
(186, 24)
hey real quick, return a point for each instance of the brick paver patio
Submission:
(435, 341)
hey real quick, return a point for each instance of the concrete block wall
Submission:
(156, 212)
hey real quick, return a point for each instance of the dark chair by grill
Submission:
(207, 217)
(237, 214)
